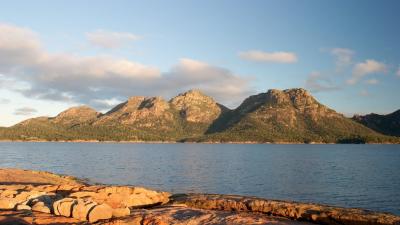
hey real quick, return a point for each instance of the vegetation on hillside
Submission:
(289, 116)
(386, 124)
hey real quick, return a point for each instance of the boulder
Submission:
(83, 194)
(100, 212)
(40, 206)
(8, 203)
(28, 195)
(116, 200)
(63, 207)
(20, 207)
(8, 193)
(81, 209)
(121, 212)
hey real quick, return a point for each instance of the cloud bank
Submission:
(103, 80)
(269, 57)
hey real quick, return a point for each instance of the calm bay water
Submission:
(363, 176)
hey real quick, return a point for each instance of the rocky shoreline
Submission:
(33, 197)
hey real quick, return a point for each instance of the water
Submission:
(363, 176)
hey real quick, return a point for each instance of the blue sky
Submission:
(57, 54)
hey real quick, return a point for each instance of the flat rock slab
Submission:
(19, 176)
(181, 215)
(178, 215)
(37, 218)
(315, 213)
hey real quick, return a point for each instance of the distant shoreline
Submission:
(188, 142)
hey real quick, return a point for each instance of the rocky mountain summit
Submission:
(196, 107)
(140, 111)
(73, 116)
(76, 116)
(386, 124)
(291, 115)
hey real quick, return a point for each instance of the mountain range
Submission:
(277, 116)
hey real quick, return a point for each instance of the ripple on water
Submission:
(364, 176)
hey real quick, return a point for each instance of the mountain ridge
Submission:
(291, 115)
(388, 124)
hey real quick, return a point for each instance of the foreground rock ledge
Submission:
(31, 197)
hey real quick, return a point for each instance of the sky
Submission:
(59, 54)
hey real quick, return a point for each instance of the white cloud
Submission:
(25, 111)
(398, 72)
(273, 57)
(4, 101)
(110, 39)
(368, 67)
(101, 80)
(18, 46)
(316, 82)
(372, 81)
(212, 80)
(343, 57)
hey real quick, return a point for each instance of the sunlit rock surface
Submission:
(32, 197)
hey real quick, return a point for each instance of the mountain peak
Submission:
(137, 109)
(291, 115)
(139, 102)
(135, 99)
(194, 106)
(193, 92)
(192, 95)
(297, 98)
(76, 115)
(78, 109)
(298, 91)
(156, 103)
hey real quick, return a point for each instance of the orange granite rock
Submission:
(79, 203)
